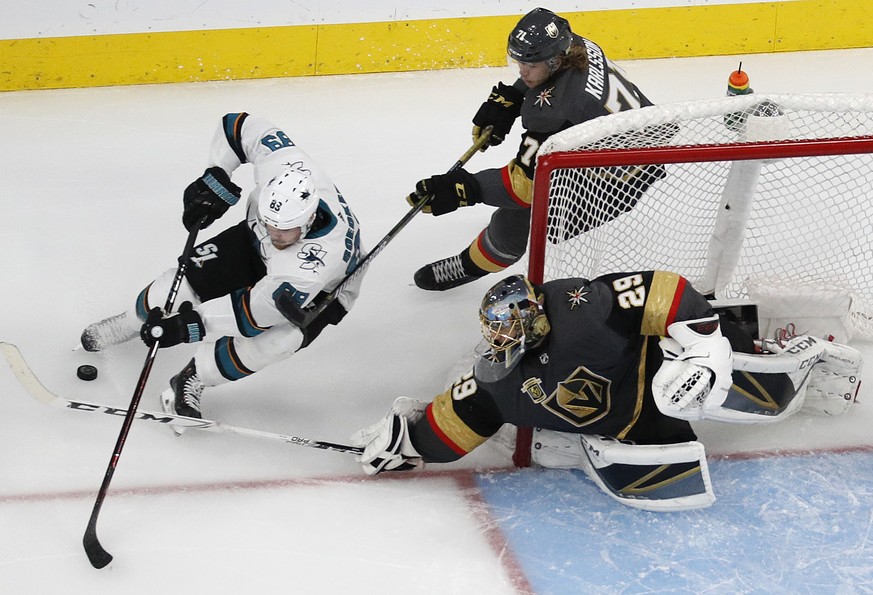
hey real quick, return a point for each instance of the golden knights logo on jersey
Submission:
(533, 387)
(581, 399)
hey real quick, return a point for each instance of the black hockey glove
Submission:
(500, 111)
(208, 196)
(449, 191)
(185, 326)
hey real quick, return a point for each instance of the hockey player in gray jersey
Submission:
(564, 79)
(611, 372)
(299, 240)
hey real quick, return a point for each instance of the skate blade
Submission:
(167, 399)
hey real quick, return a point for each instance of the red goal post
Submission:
(734, 193)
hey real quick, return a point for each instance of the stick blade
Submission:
(98, 556)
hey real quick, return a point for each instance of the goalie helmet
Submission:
(512, 318)
(289, 201)
(539, 36)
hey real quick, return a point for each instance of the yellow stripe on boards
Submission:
(413, 45)
(187, 56)
(824, 25)
(680, 32)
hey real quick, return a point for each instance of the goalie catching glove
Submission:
(386, 444)
(500, 112)
(208, 198)
(185, 326)
(447, 192)
(697, 370)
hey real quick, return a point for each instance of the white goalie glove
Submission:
(696, 373)
(386, 443)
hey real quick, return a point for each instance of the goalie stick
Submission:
(37, 390)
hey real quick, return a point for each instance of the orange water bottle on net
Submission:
(738, 84)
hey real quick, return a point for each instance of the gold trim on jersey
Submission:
(662, 293)
(452, 426)
(521, 184)
(481, 260)
(641, 391)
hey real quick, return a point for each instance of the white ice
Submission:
(92, 181)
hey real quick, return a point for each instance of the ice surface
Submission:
(92, 182)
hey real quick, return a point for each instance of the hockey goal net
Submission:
(732, 193)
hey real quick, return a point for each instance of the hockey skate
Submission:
(183, 396)
(110, 331)
(448, 273)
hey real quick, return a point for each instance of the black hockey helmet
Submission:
(539, 36)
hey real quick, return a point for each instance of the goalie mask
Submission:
(288, 201)
(512, 318)
(540, 36)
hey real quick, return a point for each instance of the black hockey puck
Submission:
(86, 372)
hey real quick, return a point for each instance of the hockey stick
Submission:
(302, 317)
(37, 390)
(97, 555)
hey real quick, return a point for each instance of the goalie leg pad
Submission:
(771, 387)
(557, 450)
(663, 477)
(656, 477)
(835, 380)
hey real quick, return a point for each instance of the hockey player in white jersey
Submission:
(299, 240)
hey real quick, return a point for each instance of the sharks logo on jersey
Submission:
(312, 254)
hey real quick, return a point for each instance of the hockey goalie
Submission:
(611, 372)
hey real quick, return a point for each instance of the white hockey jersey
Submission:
(317, 263)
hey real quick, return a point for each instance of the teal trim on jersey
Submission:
(142, 310)
(232, 124)
(292, 292)
(353, 235)
(326, 227)
(242, 311)
(227, 360)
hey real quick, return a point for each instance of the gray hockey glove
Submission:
(208, 196)
(386, 444)
(447, 191)
(185, 326)
(499, 111)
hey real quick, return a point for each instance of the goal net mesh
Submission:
(732, 192)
